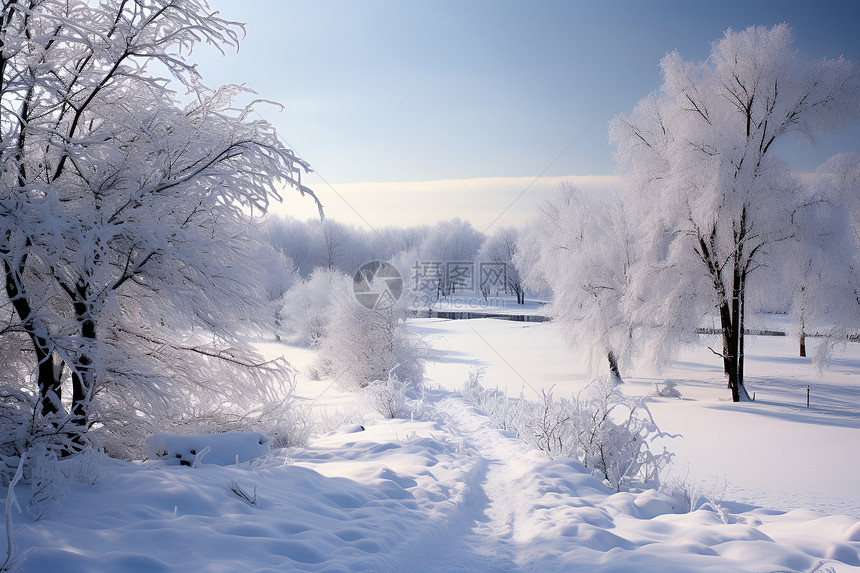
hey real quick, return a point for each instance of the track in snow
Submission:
(485, 535)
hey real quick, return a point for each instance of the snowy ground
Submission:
(450, 492)
(775, 453)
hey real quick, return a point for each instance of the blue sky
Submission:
(397, 91)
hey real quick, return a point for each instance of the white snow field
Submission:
(449, 492)
(774, 453)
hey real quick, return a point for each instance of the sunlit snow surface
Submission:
(774, 453)
(453, 493)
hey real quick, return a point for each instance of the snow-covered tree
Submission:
(307, 306)
(312, 244)
(335, 241)
(448, 243)
(361, 346)
(529, 246)
(501, 248)
(585, 253)
(703, 175)
(823, 257)
(294, 239)
(125, 217)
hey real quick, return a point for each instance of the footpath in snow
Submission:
(554, 516)
(448, 493)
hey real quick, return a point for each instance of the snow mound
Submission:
(219, 449)
(450, 493)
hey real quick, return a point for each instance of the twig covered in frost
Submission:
(243, 495)
(47, 483)
(198, 458)
(11, 501)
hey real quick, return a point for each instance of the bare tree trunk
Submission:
(521, 294)
(802, 328)
(728, 338)
(50, 389)
(613, 367)
(83, 374)
(732, 322)
(734, 339)
(803, 321)
(730, 347)
(734, 374)
(741, 334)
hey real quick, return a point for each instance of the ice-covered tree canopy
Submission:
(124, 214)
(701, 167)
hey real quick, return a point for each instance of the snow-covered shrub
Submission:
(388, 397)
(507, 412)
(686, 495)
(267, 405)
(21, 428)
(361, 345)
(36, 439)
(680, 491)
(326, 422)
(285, 424)
(607, 431)
(473, 389)
(16, 411)
(551, 427)
(667, 390)
(613, 433)
(306, 305)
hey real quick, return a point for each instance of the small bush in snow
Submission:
(551, 427)
(473, 389)
(388, 397)
(613, 433)
(508, 413)
(667, 390)
(39, 441)
(326, 422)
(608, 432)
(681, 492)
(361, 345)
(307, 305)
(264, 402)
(285, 423)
